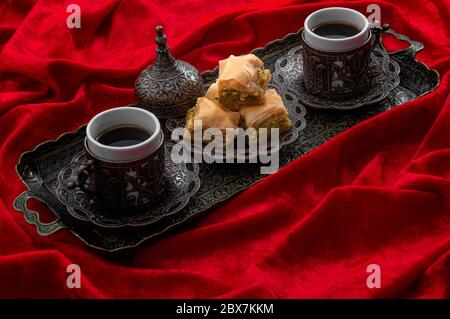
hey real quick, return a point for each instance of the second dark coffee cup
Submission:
(336, 53)
(125, 159)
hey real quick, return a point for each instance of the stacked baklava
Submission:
(240, 98)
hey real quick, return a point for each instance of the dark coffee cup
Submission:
(336, 53)
(125, 159)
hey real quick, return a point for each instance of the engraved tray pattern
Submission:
(39, 168)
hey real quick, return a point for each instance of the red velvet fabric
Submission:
(378, 193)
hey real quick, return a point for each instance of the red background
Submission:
(378, 193)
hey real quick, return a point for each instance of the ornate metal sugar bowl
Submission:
(168, 87)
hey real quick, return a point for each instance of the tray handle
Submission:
(414, 46)
(32, 217)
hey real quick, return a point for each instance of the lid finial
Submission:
(161, 40)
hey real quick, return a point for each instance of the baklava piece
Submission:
(212, 115)
(212, 93)
(242, 80)
(269, 113)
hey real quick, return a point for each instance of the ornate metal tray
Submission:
(39, 168)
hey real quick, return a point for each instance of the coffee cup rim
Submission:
(86, 147)
(339, 42)
(124, 153)
(339, 52)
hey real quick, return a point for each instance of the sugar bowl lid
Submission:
(168, 87)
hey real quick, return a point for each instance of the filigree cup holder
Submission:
(342, 80)
(180, 182)
(39, 169)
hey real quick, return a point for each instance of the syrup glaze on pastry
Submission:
(212, 115)
(242, 80)
(270, 113)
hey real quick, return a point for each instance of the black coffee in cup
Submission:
(336, 30)
(121, 136)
